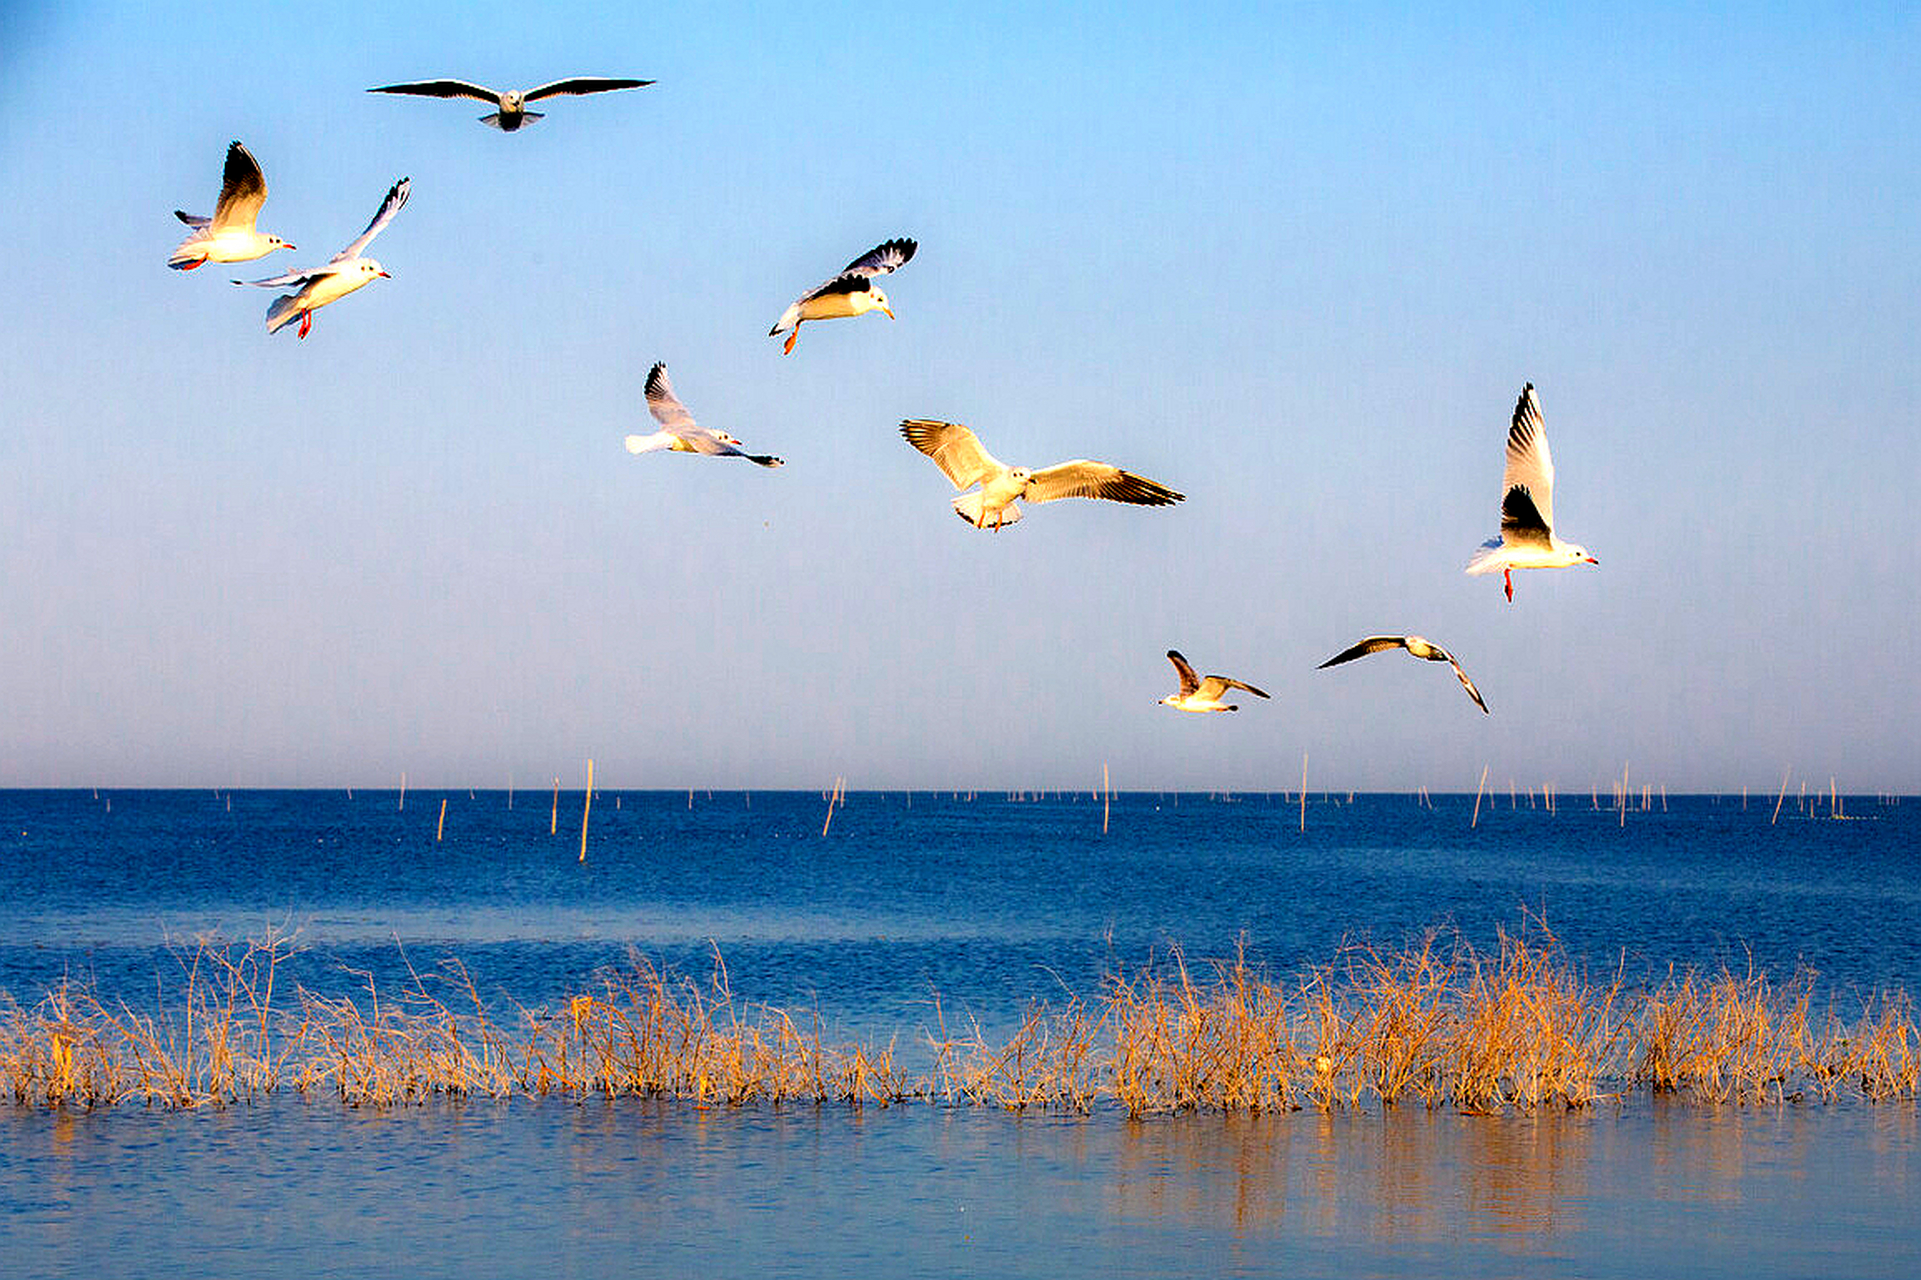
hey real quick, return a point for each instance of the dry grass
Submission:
(1438, 1023)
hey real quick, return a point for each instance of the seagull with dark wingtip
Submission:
(510, 105)
(1202, 693)
(851, 293)
(960, 455)
(1527, 540)
(1417, 646)
(315, 287)
(229, 235)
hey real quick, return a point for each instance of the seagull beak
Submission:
(889, 311)
(1592, 560)
(386, 275)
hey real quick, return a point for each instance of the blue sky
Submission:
(1294, 261)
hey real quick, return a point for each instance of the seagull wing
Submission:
(1466, 683)
(1189, 681)
(1373, 644)
(1214, 686)
(243, 189)
(1083, 479)
(881, 259)
(1530, 469)
(954, 449)
(396, 197)
(667, 409)
(299, 276)
(847, 282)
(580, 84)
(443, 89)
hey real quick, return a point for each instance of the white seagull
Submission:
(1527, 538)
(851, 293)
(677, 429)
(958, 452)
(229, 235)
(1419, 646)
(511, 105)
(346, 271)
(1202, 694)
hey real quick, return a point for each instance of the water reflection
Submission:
(648, 1189)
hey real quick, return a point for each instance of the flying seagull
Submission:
(677, 429)
(1527, 538)
(512, 104)
(346, 271)
(1201, 694)
(229, 236)
(851, 293)
(958, 452)
(1419, 646)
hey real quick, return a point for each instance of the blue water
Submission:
(991, 903)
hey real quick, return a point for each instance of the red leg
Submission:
(1507, 581)
(306, 323)
(792, 338)
(197, 262)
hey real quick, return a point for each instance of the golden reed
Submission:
(1435, 1024)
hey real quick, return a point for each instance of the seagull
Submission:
(1419, 646)
(512, 104)
(851, 293)
(1199, 694)
(958, 452)
(229, 236)
(678, 431)
(1527, 538)
(346, 271)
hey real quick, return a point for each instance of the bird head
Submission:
(724, 438)
(879, 300)
(512, 99)
(275, 242)
(1578, 555)
(369, 268)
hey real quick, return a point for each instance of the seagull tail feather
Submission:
(1486, 560)
(968, 508)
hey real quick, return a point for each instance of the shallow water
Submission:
(640, 1189)
(991, 903)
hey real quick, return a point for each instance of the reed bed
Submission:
(1435, 1024)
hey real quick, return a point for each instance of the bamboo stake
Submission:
(553, 819)
(1476, 821)
(1107, 799)
(587, 807)
(1303, 793)
(440, 828)
(1624, 793)
(1783, 796)
(403, 789)
(833, 798)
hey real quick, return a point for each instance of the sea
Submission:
(882, 912)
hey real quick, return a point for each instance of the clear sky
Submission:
(1296, 261)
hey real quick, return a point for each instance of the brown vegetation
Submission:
(1434, 1024)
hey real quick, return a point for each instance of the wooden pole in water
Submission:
(1783, 796)
(1107, 799)
(1303, 793)
(587, 807)
(440, 829)
(1624, 793)
(1476, 821)
(553, 819)
(403, 789)
(833, 797)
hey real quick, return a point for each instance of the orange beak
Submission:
(386, 275)
(889, 311)
(1592, 560)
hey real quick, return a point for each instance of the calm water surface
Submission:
(992, 903)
